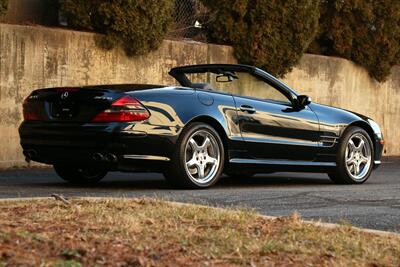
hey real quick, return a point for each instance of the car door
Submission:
(274, 129)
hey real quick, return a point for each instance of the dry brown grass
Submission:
(157, 233)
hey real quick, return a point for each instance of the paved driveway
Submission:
(375, 204)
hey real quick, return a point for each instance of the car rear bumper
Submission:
(119, 146)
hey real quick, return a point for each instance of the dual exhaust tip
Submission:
(109, 157)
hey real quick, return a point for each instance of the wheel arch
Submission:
(365, 126)
(218, 127)
(215, 124)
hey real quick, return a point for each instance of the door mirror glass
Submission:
(303, 100)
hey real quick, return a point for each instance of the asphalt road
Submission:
(375, 204)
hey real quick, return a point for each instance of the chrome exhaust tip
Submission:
(111, 157)
(98, 157)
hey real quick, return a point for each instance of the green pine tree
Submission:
(271, 34)
(364, 31)
(139, 26)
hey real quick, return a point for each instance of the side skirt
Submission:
(282, 165)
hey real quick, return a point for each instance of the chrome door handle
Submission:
(246, 108)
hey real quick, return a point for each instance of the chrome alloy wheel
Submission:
(202, 157)
(358, 156)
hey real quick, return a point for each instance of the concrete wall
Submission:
(35, 57)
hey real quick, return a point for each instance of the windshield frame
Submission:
(179, 73)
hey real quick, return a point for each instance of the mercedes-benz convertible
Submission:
(217, 118)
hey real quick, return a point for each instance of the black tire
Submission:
(80, 175)
(177, 173)
(342, 175)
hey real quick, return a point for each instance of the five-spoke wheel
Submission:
(355, 157)
(199, 157)
(358, 156)
(202, 156)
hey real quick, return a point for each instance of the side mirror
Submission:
(303, 100)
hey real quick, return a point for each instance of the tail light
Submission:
(30, 116)
(124, 109)
(28, 113)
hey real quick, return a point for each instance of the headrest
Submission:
(204, 86)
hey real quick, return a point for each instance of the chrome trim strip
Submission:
(146, 157)
(377, 162)
(280, 142)
(281, 162)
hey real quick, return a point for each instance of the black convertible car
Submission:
(194, 132)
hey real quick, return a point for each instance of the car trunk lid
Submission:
(75, 104)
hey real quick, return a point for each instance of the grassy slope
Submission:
(149, 232)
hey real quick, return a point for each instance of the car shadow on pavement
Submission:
(139, 181)
(48, 179)
(274, 180)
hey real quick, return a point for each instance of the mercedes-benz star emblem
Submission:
(64, 95)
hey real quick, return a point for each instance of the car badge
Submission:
(64, 95)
